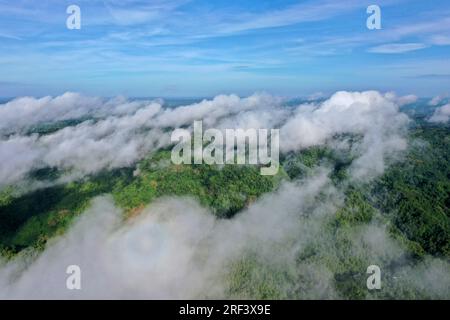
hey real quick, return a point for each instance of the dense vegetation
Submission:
(31, 219)
(226, 190)
(416, 192)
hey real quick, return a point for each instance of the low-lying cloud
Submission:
(177, 249)
(441, 114)
(117, 133)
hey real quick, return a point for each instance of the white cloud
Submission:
(137, 12)
(129, 133)
(440, 40)
(394, 48)
(403, 100)
(436, 100)
(136, 128)
(370, 114)
(298, 13)
(441, 114)
(18, 156)
(23, 113)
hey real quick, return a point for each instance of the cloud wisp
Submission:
(395, 48)
(441, 114)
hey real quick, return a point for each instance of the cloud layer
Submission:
(116, 133)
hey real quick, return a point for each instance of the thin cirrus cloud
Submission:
(395, 48)
(138, 12)
(299, 13)
(440, 40)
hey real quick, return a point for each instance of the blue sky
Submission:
(182, 48)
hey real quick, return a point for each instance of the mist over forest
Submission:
(364, 179)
